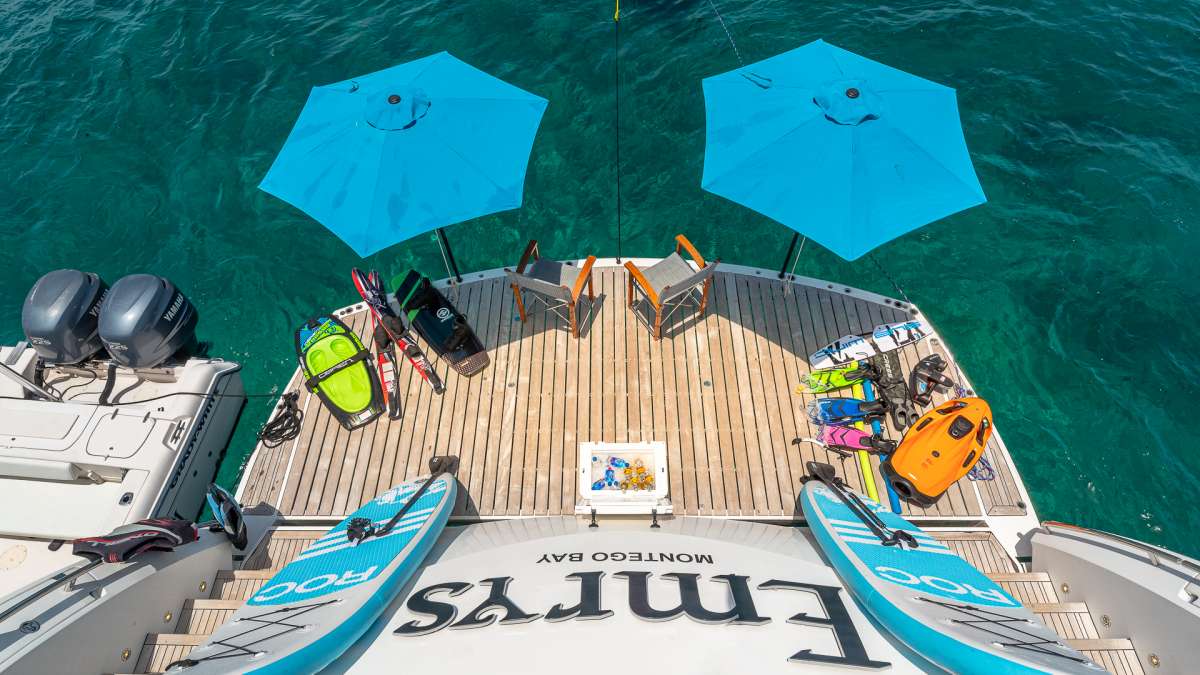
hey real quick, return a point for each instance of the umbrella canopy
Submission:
(840, 148)
(384, 157)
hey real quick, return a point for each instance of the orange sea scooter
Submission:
(940, 448)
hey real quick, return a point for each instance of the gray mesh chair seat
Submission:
(672, 283)
(559, 275)
(558, 286)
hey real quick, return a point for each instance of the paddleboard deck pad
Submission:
(883, 338)
(318, 605)
(929, 598)
(440, 324)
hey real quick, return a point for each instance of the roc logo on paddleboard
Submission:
(321, 582)
(940, 586)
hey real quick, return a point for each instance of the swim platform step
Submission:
(239, 584)
(1057, 607)
(1071, 620)
(1101, 644)
(280, 547)
(201, 616)
(162, 649)
(1019, 576)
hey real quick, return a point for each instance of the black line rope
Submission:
(244, 650)
(729, 35)
(286, 424)
(891, 279)
(980, 617)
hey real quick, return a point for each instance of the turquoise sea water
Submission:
(133, 135)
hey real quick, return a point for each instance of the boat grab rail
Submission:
(1154, 553)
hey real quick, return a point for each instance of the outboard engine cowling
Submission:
(60, 316)
(145, 320)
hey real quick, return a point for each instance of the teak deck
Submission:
(717, 389)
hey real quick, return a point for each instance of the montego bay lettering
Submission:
(437, 609)
(626, 556)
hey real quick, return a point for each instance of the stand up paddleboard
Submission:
(922, 593)
(883, 338)
(313, 609)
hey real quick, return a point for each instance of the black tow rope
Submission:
(285, 426)
(887, 536)
(360, 529)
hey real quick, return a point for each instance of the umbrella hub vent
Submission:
(396, 109)
(847, 102)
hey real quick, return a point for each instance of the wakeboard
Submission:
(440, 324)
(883, 338)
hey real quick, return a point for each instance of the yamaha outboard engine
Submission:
(61, 314)
(145, 320)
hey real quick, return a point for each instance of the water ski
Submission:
(889, 336)
(440, 324)
(318, 605)
(842, 351)
(391, 332)
(926, 596)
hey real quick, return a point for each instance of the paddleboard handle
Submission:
(361, 529)
(887, 536)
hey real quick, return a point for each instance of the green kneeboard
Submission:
(337, 368)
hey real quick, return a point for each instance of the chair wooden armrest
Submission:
(635, 275)
(681, 242)
(585, 277)
(531, 251)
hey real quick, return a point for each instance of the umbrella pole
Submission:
(617, 113)
(788, 258)
(448, 256)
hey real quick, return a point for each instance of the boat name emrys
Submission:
(435, 602)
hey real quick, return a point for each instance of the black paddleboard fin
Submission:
(823, 472)
(880, 445)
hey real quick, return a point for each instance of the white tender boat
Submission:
(96, 443)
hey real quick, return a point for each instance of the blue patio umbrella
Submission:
(840, 148)
(384, 157)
